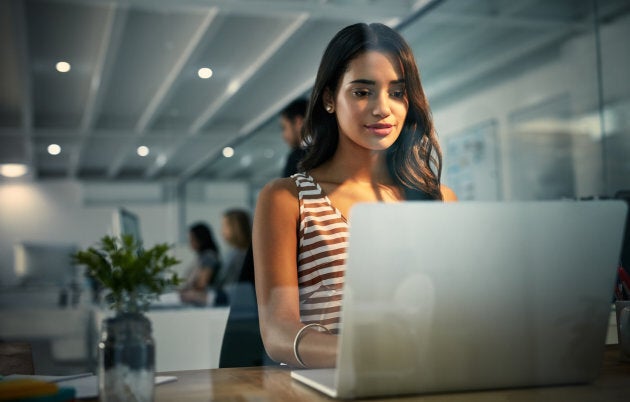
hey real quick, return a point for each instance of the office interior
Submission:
(531, 101)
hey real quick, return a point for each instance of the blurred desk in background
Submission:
(186, 338)
(60, 337)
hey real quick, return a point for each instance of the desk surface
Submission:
(275, 384)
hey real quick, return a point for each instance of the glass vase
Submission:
(126, 359)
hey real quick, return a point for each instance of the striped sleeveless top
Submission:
(321, 259)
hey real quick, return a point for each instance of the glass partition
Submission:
(530, 99)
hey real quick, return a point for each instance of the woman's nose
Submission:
(381, 106)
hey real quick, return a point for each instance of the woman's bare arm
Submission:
(203, 277)
(275, 248)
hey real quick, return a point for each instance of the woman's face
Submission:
(192, 240)
(226, 230)
(370, 103)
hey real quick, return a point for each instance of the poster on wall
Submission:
(471, 165)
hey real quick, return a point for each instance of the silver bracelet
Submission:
(299, 336)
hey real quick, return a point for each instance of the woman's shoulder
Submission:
(277, 203)
(278, 190)
(280, 185)
(447, 193)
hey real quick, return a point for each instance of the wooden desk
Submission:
(275, 384)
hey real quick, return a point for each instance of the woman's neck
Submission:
(359, 167)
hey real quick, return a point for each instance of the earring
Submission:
(329, 109)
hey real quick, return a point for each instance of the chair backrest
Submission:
(242, 343)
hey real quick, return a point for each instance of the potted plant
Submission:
(132, 277)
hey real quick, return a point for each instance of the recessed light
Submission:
(54, 149)
(13, 169)
(143, 150)
(63, 66)
(205, 73)
(228, 152)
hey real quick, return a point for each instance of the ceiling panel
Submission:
(194, 150)
(277, 75)
(12, 149)
(153, 42)
(100, 150)
(61, 32)
(134, 78)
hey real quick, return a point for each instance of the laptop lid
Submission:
(443, 297)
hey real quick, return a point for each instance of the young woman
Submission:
(203, 273)
(236, 229)
(370, 138)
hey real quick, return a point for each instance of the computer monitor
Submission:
(44, 264)
(126, 222)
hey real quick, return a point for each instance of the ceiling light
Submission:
(63, 67)
(233, 87)
(204, 73)
(54, 149)
(13, 169)
(142, 150)
(228, 152)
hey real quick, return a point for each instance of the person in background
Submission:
(236, 229)
(370, 138)
(292, 121)
(242, 345)
(203, 274)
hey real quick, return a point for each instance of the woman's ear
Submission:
(329, 101)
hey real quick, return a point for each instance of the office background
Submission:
(531, 101)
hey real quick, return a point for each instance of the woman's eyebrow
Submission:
(372, 82)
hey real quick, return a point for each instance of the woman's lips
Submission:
(380, 129)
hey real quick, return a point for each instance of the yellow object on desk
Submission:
(25, 388)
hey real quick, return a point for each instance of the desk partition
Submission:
(186, 338)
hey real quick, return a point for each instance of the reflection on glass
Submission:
(553, 78)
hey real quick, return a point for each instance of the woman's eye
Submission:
(360, 93)
(398, 93)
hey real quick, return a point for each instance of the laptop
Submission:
(447, 297)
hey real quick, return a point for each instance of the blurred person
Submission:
(242, 344)
(370, 138)
(236, 229)
(204, 272)
(292, 121)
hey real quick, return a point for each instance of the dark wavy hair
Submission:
(415, 159)
(297, 108)
(203, 235)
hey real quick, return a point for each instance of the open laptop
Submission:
(445, 297)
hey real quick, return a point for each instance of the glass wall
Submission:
(531, 99)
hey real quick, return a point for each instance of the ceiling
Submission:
(133, 79)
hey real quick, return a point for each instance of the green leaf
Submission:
(132, 275)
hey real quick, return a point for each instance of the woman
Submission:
(236, 230)
(205, 270)
(370, 138)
